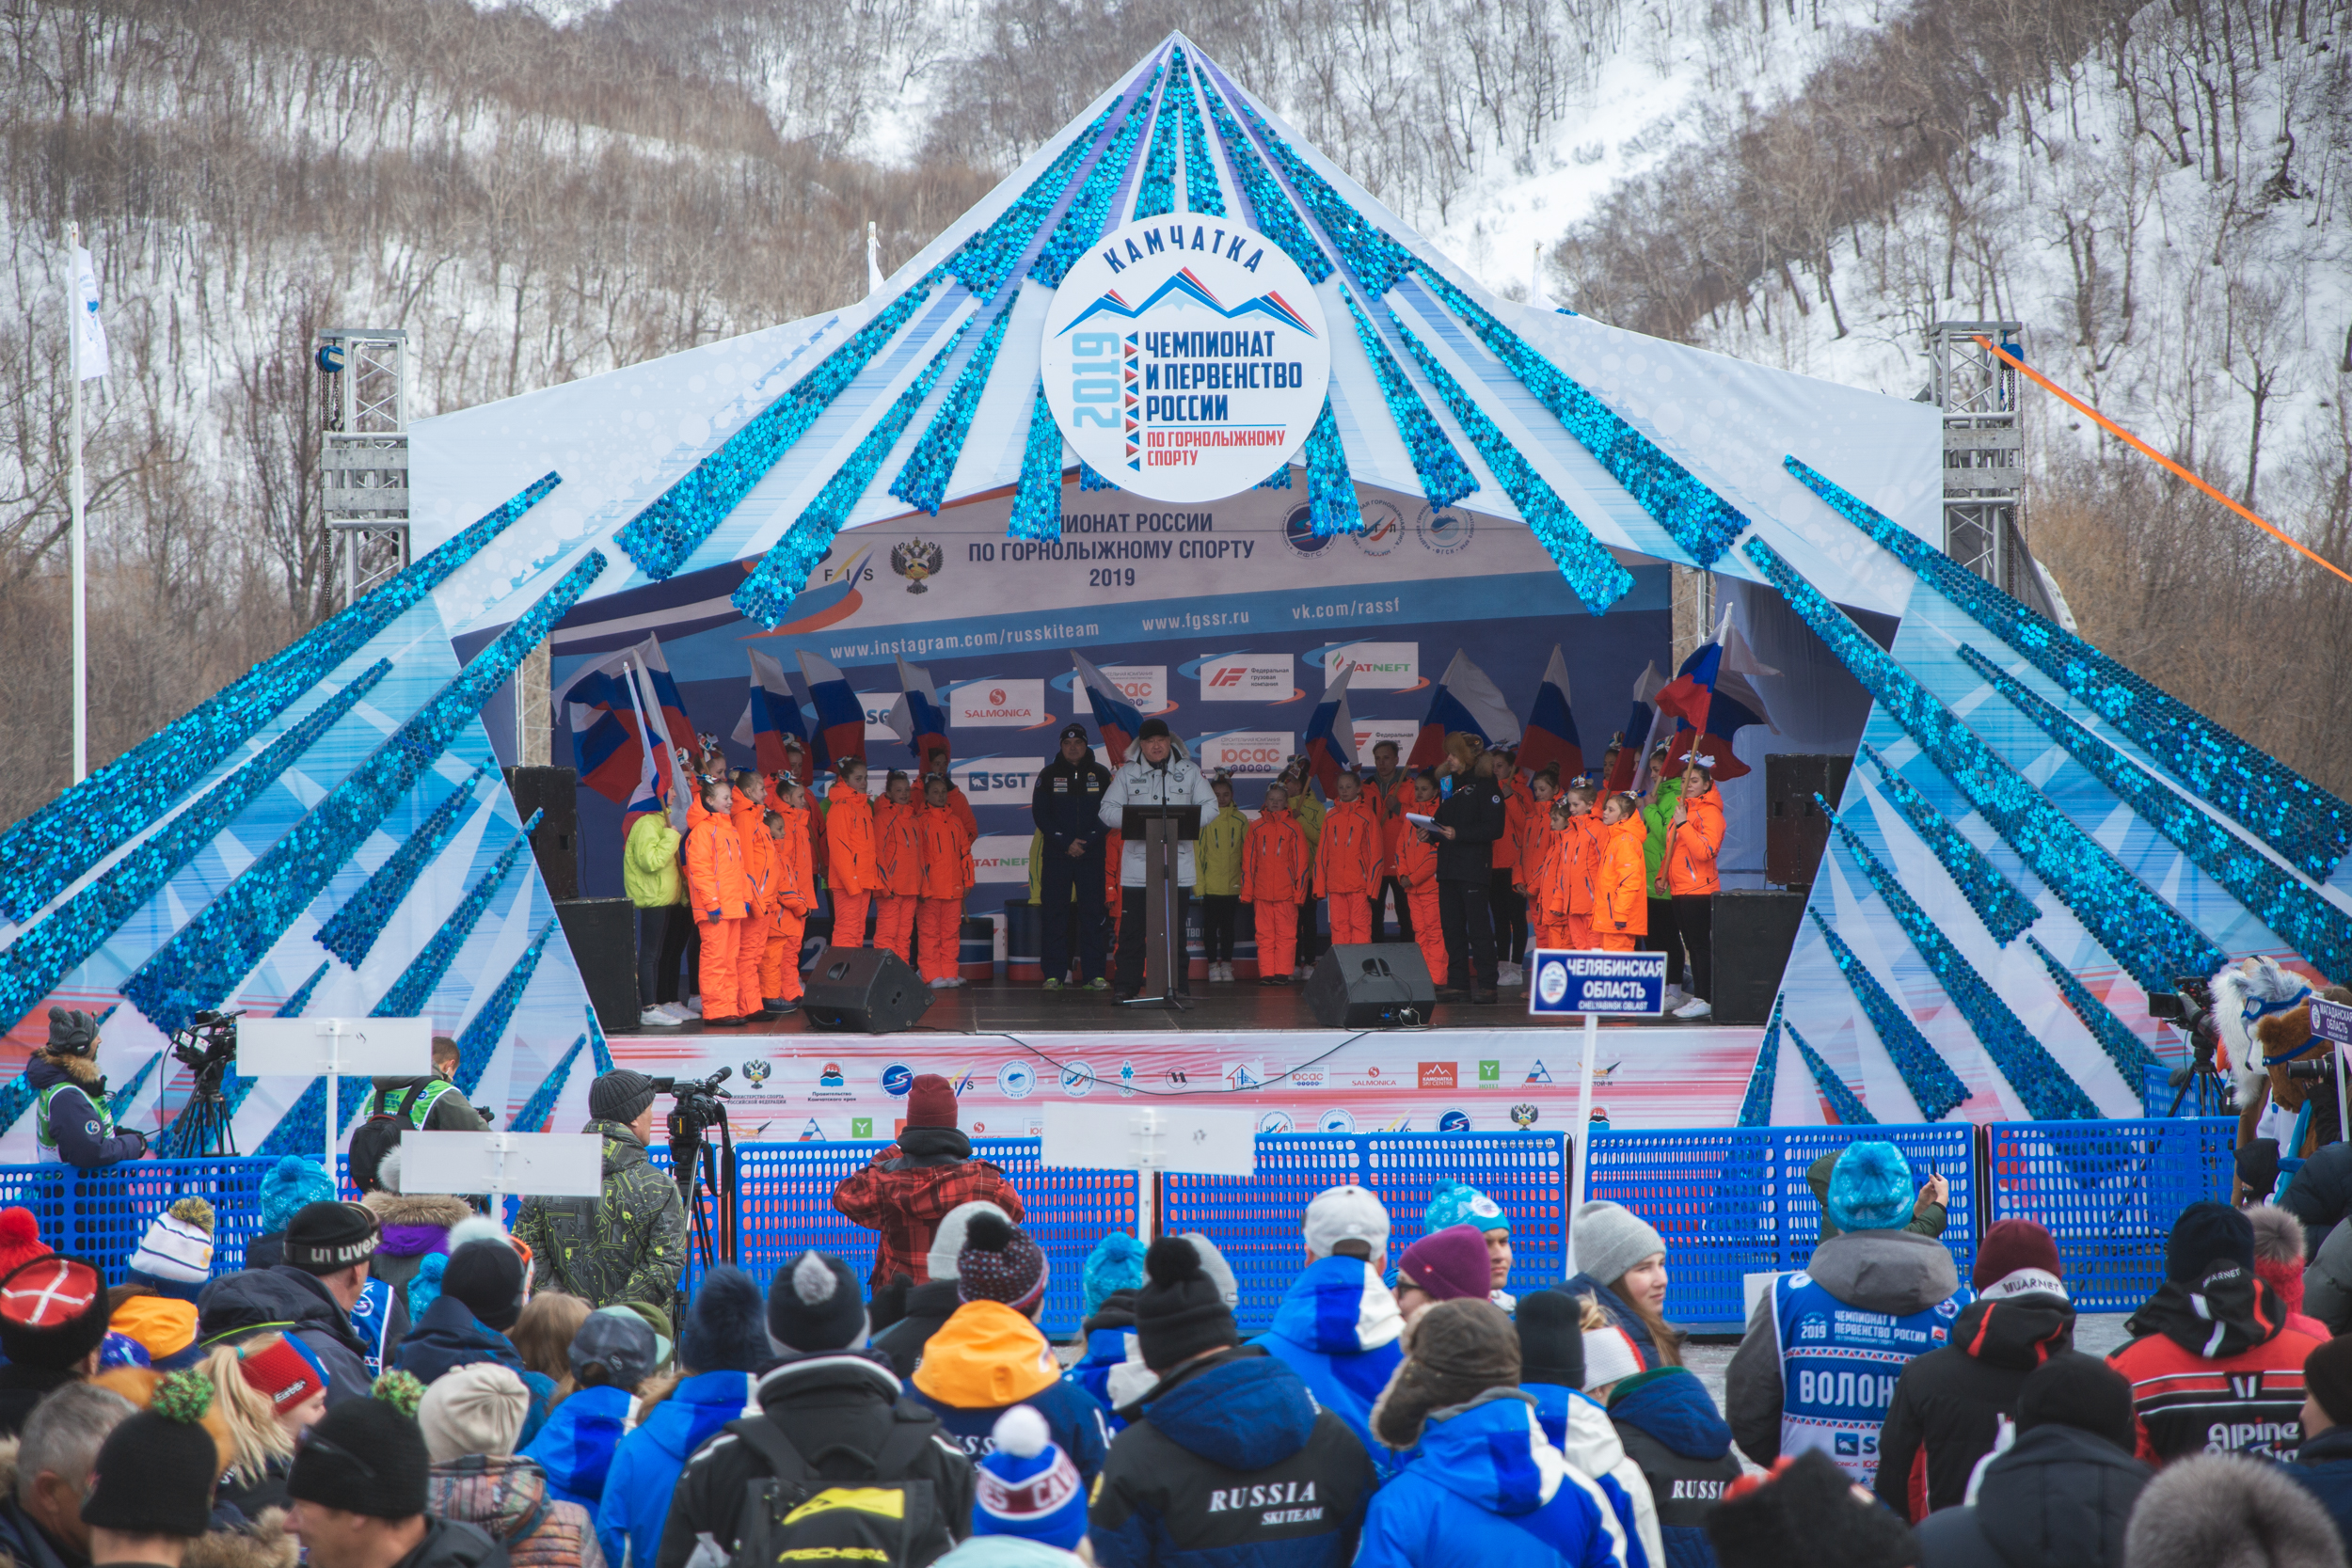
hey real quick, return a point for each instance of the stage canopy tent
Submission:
(2032, 840)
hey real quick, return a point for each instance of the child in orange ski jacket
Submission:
(899, 856)
(849, 865)
(1620, 895)
(1274, 882)
(947, 876)
(747, 813)
(1349, 862)
(791, 894)
(1416, 877)
(721, 895)
(1558, 869)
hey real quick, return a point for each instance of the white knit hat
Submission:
(1608, 1357)
(477, 1408)
(178, 1248)
(1345, 1213)
(948, 1238)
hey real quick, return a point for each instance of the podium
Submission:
(1161, 830)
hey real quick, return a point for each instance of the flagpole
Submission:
(75, 494)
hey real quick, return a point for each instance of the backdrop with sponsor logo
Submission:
(1228, 619)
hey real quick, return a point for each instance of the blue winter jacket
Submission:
(1339, 1329)
(1105, 1348)
(449, 1337)
(1670, 1428)
(576, 1445)
(647, 1465)
(2323, 1467)
(1486, 1490)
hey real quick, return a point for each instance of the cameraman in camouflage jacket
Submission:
(628, 1244)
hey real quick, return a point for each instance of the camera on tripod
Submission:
(2188, 1007)
(701, 1169)
(207, 1046)
(698, 1108)
(206, 1043)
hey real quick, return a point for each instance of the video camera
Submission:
(702, 1106)
(207, 1044)
(698, 1103)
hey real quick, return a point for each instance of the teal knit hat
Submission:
(1457, 1204)
(1115, 1264)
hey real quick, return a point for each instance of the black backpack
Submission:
(889, 1517)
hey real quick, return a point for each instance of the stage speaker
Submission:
(1368, 985)
(864, 990)
(555, 843)
(1752, 933)
(1795, 831)
(603, 934)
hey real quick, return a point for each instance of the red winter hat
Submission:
(2011, 1246)
(1450, 1264)
(284, 1371)
(53, 1312)
(19, 1240)
(932, 1101)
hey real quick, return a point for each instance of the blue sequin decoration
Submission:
(293, 1005)
(1376, 259)
(2130, 1054)
(16, 1098)
(1155, 193)
(1090, 480)
(46, 952)
(1701, 521)
(2307, 824)
(1277, 219)
(1330, 493)
(1202, 193)
(1843, 1102)
(1925, 1073)
(783, 572)
(2147, 936)
(62, 839)
(1755, 1107)
(2004, 910)
(985, 260)
(354, 929)
(1444, 477)
(414, 989)
(596, 1040)
(1278, 480)
(539, 1109)
(1588, 568)
(1037, 504)
(1081, 225)
(2306, 922)
(487, 1027)
(203, 964)
(303, 1129)
(2048, 1090)
(661, 537)
(922, 481)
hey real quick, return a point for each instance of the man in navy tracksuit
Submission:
(1067, 805)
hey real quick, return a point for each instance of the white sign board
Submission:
(538, 1164)
(1179, 1136)
(308, 1047)
(1186, 357)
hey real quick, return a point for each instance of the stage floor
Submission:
(985, 1008)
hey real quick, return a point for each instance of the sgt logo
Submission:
(2247, 1385)
(1850, 1445)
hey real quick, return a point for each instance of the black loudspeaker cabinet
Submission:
(555, 843)
(1752, 935)
(603, 934)
(864, 990)
(1368, 985)
(1795, 831)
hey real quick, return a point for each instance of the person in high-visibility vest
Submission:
(429, 1105)
(76, 1126)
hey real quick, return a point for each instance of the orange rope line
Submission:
(2146, 450)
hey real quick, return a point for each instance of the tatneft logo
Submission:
(1248, 678)
(1376, 666)
(1001, 857)
(998, 703)
(1000, 775)
(1437, 1075)
(1249, 753)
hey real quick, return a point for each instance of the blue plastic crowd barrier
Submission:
(1734, 1201)
(2205, 1096)
(1255, 1221)
(2108, 1192)
(101, 1215)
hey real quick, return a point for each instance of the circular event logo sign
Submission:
(1553, 984)
(1186, 357)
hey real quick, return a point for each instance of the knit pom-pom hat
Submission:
(154, 1473)
(1870, 1188)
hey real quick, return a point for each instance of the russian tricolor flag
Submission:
(1464, 700)
(1634, 742)
(1114, 714)
(1551, 740)
(770, 717)
(916, 717)
(1332, 734)
(1713, 694)
(840, 715)
(621, 713)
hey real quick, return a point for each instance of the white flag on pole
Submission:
(90, 333)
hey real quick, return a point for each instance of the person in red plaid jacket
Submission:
(907, 1189)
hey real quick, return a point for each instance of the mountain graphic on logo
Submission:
(1191, 288)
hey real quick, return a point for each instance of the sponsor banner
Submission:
(1249, 753)
(878, 705)
(1401, 732)
(1186, 359)
(1144, 685)
(1003, 781)
(1248, 678)
(995, 704)
(1378, 666)
(1001, 857)
(1476, 1081)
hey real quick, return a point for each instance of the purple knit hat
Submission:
(999, 1262)
(1450, 1265)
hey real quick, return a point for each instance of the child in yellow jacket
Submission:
(1217, 858)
